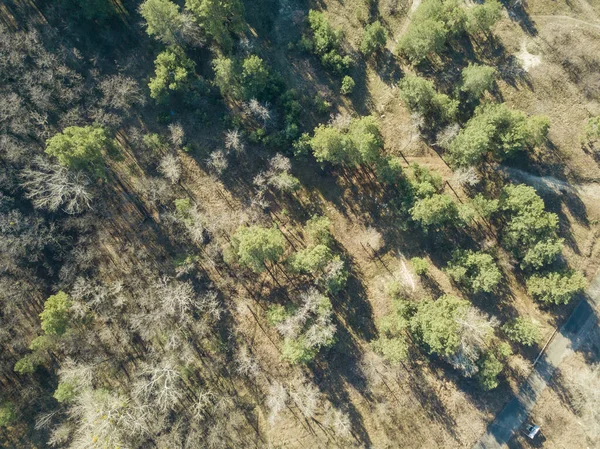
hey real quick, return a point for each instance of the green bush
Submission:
(421, 98)
(80, 148)
(438, 210)
(476, 79)
(8, 414)
(256, 245)
(393, 349)
(556, 288)
(373, 39)
(522, 330)
(311, 260)
(318, 230)
(347, 85)
(174, 72)
(56, 317)
(325, 42)
(489, 369)
(476, 271)
(65, 392)
(219, 19)
(163, 20)
(420, 265)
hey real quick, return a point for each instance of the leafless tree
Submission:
(467, 176)
(121, 92)
(233, 141)
(259, 111)
(447, 135)
(177, 134)
(170, 168)
(160, 385)
(306, 396)
(277, 398)
(246, 363)
(339, 422)
(217, 162)
(52, 187)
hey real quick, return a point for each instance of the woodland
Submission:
(288, 223)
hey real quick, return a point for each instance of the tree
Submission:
(278, 175)
(435, 323)
(556, 288)
(225, 77)
(482, 17)
(421, 98)
(393, 349)
(489, 369)
(522, 330)
(332, 145)
(422, 40)
(318, 230)
(56, 316)
(311, 260)
(325, 42)
(476, 79)
(530, 232)
(65, 392)
(8, 415)
(476, 271)
(220, 19)
(420, 265)
(373, 39)
(591, 131)
(347, 85)
(255, 77)
(423, 181)
(174, 72)
(437, 210)
(497, 132)
(80, 148)
(256, 245)
(163, 20)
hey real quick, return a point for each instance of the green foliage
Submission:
(497, 132)
(420, 265)
(311, 260)
(297, 351)
(389, 170)
(162, 20)
(361, 143)
(318, 230)
(476, 79)
(256, 245)
(482, 17)
(393, 349)
(220, 19)
(476, 271)
(530, 232)
(65, 392)
(522, 330)
(26, 364)
(424, 182)
(421, 98)
(373, 39)
(255, 77)
(556, 288)
(485, 207)
(56, 316)
(433, 25)
(489, 369)
(347, 85)
(392, 344)
(80, 148)
(321, 104)
(336, 275)
(435, 324)
(225, 77)
(278, 314)
(591, 131)
(438, 210)
(173, 72)
(8, 414)
(325, 42)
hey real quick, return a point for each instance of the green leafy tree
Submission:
(8, 414)
(489, 370)
(420, 97)
(298, 351)
(256, 246)
(335, 276)
(497, 132)
(423, 181)
(311, 260)
(556, 288)
(522, 330)
(423, 40)
(482, 17)
(225, 77)
(476, 79)
(325, 42)
(318, 230)
(477, 271)
(65, 392)
(591, 131)
(219, 18)
(373, 39)
(420, 265)
(347, 85)
(163, 20)
(485, 207)
(56, 317)
(365, 136)
(435, 324)
(255, 77)
(437, 210)
(530, 232)
(80, 148)
(393, 349)
(174, 72)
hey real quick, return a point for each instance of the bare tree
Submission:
(121, 92)
(170, 168)
(177, 134)
(160, 385)
(276, 401)
(339, 422)
(467, 176)
(233, 141)
(217, 162)
(52, 187)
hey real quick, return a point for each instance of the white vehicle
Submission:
(531, 430)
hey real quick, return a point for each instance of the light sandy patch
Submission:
(528, 60)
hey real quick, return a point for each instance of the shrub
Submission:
(556, 288)
(420, 265)
(219, 19)
(318, 230)
(256, 245)
(347, 85)
(522, 330)
(489, 369)
(476, 79)
(8, 415)
(393, 349)
(174, 72)
(437, 210)
(162, 20)
(482, 17)
(373, 39)
(56, 316)
(476, 271)
(80, 148)
(421, 98)
(311, 260)
(325, 42)
(255, 77)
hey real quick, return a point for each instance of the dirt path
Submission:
(591, 190)
(571, 335)
(567, 18)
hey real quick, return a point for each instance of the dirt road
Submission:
(570, 337)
